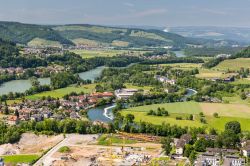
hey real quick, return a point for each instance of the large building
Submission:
(233, 161)
(207, 160)
(125, 93)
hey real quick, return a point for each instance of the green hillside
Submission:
(125, 36)
(43, 35)
(24, 33)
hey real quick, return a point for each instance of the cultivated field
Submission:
(90, 43)
(37, 42)
(234, 64)
(227, 112)
(184, 66)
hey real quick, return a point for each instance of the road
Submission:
(70, 140)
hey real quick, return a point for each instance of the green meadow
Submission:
(227, 112)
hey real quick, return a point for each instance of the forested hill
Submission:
(30, 34)
(7, 49)
(10, 57)
(243, 54)
(24, 33)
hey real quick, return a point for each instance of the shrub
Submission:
(64, 149)
(216, 115)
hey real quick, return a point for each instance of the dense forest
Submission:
(10, 57)
(211, 52)
(23, 33)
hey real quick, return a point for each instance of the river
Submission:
(20, 85)
(104, 113)
(180, 53)
(23, 85)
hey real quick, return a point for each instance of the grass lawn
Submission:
(105, 140)
(219, 123)
(182, 107)
(14, 159)
(237, 64)
(227, 112)
(158, 120)
(59, 93)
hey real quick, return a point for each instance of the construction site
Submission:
(94, 149)
(87, 150)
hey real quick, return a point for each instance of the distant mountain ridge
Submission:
(239, 34)
(73, 34)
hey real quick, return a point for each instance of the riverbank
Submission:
(20, 86)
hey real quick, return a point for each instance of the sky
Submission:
(162, 13)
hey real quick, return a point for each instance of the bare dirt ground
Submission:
(84, 151)
(30, 144)
(78, 150)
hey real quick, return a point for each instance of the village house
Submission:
(46, 114)
(166, 80)
(207, 137)
(57, 117)
(211, 99)
(221, 151)
(12, 120)
(74, 115)
(36, 117)
(233, 161)
(25, 113)
(185, 139)
(104, 95)
(207, 160)
(246, 151)
(248, 95)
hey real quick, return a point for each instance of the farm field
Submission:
(102, 53)
(183, 66)
(59, 93)
(212, 73)
(92, 43)
(227, 112)
(234, 64)
(37, 42)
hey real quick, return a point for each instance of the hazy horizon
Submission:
(158, 13)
